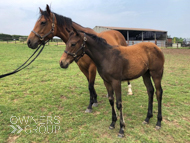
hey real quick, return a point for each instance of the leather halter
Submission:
(82, 47)
(50, 32)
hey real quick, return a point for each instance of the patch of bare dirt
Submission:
(12, 139)
(63, 97)
(176, 51)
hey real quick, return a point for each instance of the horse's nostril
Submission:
(62, 65)
(29, 43)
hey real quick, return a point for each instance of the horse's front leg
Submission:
(117, 88)
(111, 100)
(93, 95)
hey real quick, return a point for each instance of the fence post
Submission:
(155, 41)
(132, 42)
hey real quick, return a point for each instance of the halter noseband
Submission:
(74, 55)
(50, 32)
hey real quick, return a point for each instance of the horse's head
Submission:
(75, 48)
(44, 29)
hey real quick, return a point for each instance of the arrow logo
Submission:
(15, 129)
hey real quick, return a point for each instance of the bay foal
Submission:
(118, 63)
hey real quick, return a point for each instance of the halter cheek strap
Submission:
(50, 32)
(82, 47)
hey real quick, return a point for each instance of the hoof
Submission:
(120, 135)
(158, 127)
(129, 93)
(88, 111)
(144, 122)
(95, 104)
(111, 128)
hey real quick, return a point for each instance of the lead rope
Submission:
(25, 63)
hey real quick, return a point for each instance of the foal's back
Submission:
(139, 58)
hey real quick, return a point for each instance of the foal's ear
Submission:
(48, 9)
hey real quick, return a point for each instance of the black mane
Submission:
(97, 39)
(61, 20)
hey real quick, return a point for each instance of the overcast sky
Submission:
(19, 16)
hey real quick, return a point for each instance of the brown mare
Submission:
(118, 63)
(51, 24)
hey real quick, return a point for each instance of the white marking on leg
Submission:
(130, 90)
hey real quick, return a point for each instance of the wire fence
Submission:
(61, 43)
(58, 43)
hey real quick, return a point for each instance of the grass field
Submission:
(48, 102)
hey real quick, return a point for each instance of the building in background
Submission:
(137, 35)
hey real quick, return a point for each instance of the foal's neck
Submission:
(98, 52)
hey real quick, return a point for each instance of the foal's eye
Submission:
(43, 22)
(73, 44)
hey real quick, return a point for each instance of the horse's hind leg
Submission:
(157, 77)
(129, 92)
(150, 91)
(129, 89)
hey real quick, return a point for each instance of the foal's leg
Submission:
(150, 91)
(111, 100)
(117, 88)
(157, 77)
(129, 89)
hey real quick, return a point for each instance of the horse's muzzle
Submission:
(63, 65)
(31, 45)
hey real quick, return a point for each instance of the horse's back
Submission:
(113, 37)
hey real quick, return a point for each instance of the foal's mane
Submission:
(62, 21)
(97, 39)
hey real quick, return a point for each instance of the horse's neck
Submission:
(84, 29)
(64, 35)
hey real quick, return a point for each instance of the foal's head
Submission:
(75, 48)
(44, 29)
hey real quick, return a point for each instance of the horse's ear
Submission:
(75, 31)
(40, 10)
(48, 9)
(68, 30)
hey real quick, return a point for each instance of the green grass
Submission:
(44, 89)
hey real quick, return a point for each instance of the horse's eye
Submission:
(73, 44)
(43, 22)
